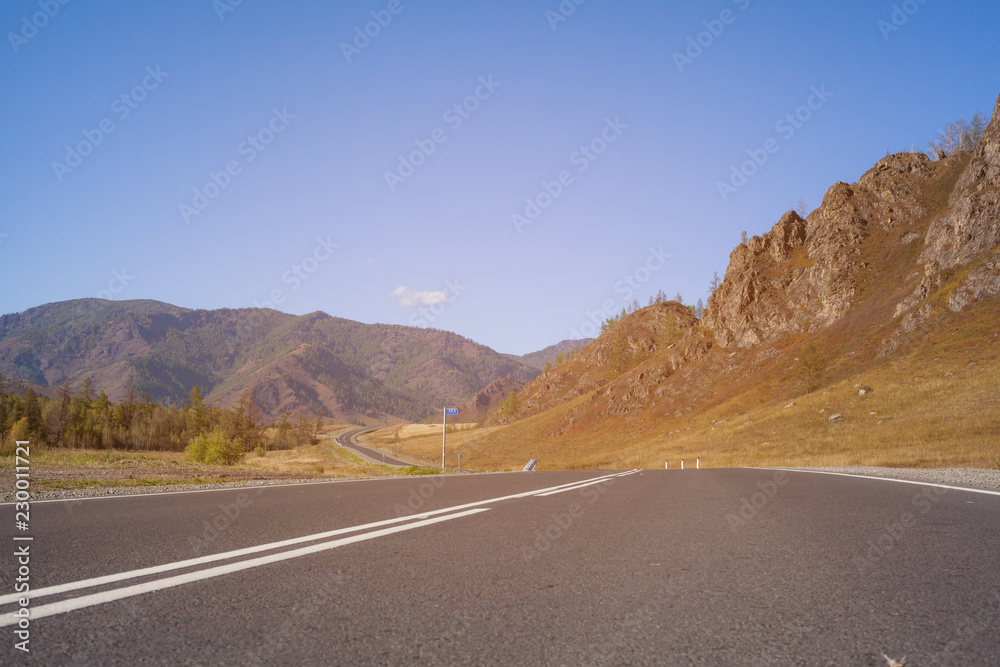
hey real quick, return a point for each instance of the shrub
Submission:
(20, 430)
(215, 447)
(811, 367)
(417, 470)
(7, 446)
(197, 448)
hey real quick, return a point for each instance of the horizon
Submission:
(235, 156)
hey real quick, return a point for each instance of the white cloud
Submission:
(408, 297)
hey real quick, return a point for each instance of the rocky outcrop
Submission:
(487, 399)
(838, 283)
(983, 282)
(969, 232)
(639, 352)
(972, 226)
(802, 276)
(751, 302)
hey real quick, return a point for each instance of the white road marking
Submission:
(181, 493)
(74, 604)
(255, 487)
(191, 562)
(581, 485)
(890, 479)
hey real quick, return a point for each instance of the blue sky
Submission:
(213, 154)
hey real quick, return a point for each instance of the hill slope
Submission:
(548, 355)
(892, 283)
(343, 369)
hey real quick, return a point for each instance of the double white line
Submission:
(424, 519)
(580, 485)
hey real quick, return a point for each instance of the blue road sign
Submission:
(451, 411)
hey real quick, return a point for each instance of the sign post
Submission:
(444, 430)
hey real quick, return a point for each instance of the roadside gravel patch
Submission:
(973, 478)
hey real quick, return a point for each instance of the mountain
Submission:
(893, 280)
(549, 354)
(487, 399)
(346, 370)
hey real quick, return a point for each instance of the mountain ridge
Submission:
(346, 370)
(550, 354)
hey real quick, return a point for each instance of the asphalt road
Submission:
(348, 441)
(709, 567)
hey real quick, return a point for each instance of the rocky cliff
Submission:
(877, 266)
(805, 275)
(658, 339)
(968, 233)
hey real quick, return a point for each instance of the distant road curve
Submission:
(347, 440)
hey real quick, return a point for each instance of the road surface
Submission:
(696, 567)
(348, 440)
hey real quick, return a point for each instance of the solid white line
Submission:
(212, 490)
(890, 479)
(74, 604)
(168, 567)
(257, 487)
(584, 484)
(191, 562)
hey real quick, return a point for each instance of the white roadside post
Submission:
(666, 465)
(682, 464)
(697, 463)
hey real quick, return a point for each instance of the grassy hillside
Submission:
(936, 406)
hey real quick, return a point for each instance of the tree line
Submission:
(959, 136)
(81, 417)
(697, 309)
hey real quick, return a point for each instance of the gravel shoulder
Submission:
(973, 478)
(964, 477)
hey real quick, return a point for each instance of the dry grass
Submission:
(324, 458)
(102, 458)
(922, 418)
(423, 445)
(935, 407)
(79, 468)
(425, 430)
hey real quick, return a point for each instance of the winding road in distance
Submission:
(347, 440)
(694, 567)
